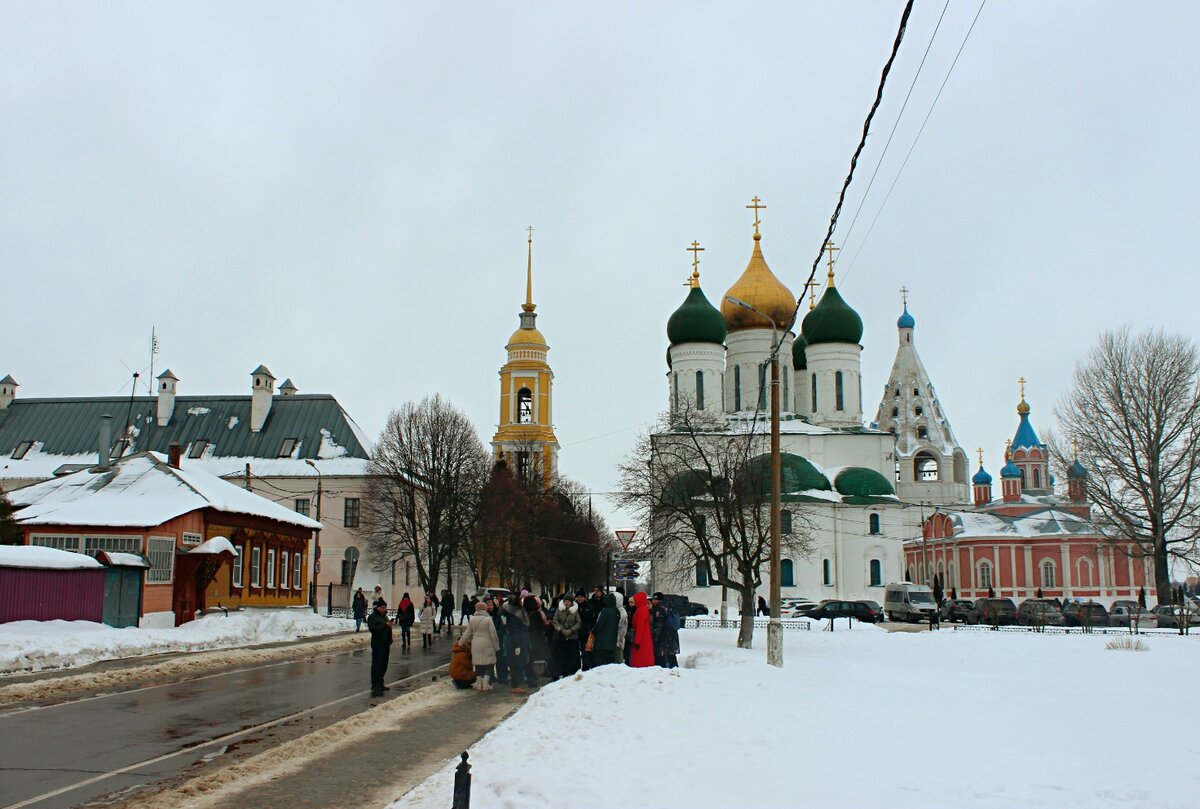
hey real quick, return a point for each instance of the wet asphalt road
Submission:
(159, 730)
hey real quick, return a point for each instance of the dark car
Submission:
(845, 609)
(956, 609)
(1084, 613)
(993, 611)
(1039, 612)
(684, 608)
(876, 610)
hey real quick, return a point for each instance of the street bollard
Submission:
(462, 784)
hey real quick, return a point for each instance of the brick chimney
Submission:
(174, 454)
(166, 396)
(261, 391)
(8, 391)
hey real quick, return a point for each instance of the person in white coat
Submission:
(427, 618)
(622, 627)
(481, 636)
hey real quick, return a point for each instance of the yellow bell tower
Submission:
(525, 435)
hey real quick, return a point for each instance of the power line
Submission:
(917, 138)
(899, 115)
(862, 142)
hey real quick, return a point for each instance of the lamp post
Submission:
(774, 625)
(317, 548)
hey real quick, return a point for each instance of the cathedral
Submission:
(860, 490)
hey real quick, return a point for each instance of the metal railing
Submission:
(715, 623)
(1067, 630)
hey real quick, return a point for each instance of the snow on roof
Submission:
(38, 465)
(1046, 522)
(214, 546)
(118, 559)
(141, 490)
(33, 556)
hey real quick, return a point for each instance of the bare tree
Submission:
(1134, 413)
(701, 493)
(421, 499)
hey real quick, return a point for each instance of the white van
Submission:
(906, 601)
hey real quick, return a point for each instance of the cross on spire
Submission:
(1021, 382)
(830, 249)
(980, 451)
(756, 207)
(529, 305)
(695, 250)
(904, 299)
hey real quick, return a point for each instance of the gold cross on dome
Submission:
(756, 207)
(695, 250)
(1021, 382)
(530, 229)
(828, 247)
(904, 298)
(980, 451)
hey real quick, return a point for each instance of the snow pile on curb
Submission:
(855, 719)
(27, 646)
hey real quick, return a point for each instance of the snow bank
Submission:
(37, 645)
(977, 720)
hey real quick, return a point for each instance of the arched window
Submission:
(926, 467)
(785, 522)
(675, 403)
(876, 573)
(918, 410)
(787, 574)
(916, 392)
(814, 393)
(737, 387)
(827, 572)
(985, 574)
(838, 391)
(1083, 574)
(701, 575)
(700, 390)
(525, 405)
(873, 523)
(522, 465)
(1037, 478)
(1048, 575)
(762, 386)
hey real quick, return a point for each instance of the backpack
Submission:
(672, 620)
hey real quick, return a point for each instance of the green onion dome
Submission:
(799, 358)
(696, 321)
(832, 320)
(858, 481)
(796, 474)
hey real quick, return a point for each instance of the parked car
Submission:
(843, 609)
(1127, 603)
(1039, 612)
(875, 609)
(904, 601)
(684, 608)
(993, 611)
(955, 609)
(1125, 616)
(798, 610)
(1084, 613)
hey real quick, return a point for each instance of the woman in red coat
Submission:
(642, 655)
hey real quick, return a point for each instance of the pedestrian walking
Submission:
(462, 672)
(428, 620)
(480, 635)
(447, 616)
(762, 606)
(516, 644)
(935, 620)
(566, 637)
(358, 608)
(467, 609)
(377, 596)
(664, 631)
(604, 634)
(381, 646)
(642, 655)
(406, 615)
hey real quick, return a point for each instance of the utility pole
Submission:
(317, 547)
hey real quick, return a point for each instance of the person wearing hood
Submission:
(406, 615)
(642, 655)
(631, 610)
(516, 644)
(604, 647)
(622, 626)
(467, 609)
(462, 673)
(566, 636)
(539, 640)
(359, 609)
(480, 637)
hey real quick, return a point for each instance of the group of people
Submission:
(521, 638)
(429, 619)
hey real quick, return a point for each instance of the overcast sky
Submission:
(340, 191)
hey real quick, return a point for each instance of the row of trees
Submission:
(436, 499)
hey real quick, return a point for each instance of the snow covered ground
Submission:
(860, 718)
(36, 645)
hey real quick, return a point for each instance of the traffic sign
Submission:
(625, 536)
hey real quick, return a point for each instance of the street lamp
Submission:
(774, 625)
(317, 549)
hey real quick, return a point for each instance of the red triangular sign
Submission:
(625, 537)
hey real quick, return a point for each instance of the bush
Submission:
(1127, 644)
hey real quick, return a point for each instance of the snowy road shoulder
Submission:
(857, 718)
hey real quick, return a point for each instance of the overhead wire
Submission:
(916, 139)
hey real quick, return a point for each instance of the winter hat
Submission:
(581, 592)
(480, 607)
(657, 596)
(524, 593)
(381, 603)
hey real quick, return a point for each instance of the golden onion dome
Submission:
(524, 336)
(758, 287)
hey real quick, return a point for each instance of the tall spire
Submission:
(529, 305)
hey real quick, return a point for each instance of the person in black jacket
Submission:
(359, 609)
(381, 646)
(588, 610)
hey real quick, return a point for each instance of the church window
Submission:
(523, 465)
(908, 338)
(873, 523)
(1048, 574)
(916, 392)
(787, 574)
(985, 574)
(876, 573)
(814, 393)
(737, 387)
(922, 432)
(1037, 478)
(839, 391)
(926, 468)
(701, 575)
(762, 386)
(897, 393)
(1024, 485)
(895, 412)
(675, 392)
(918, 410)
(827, 572)
(785, 522)
(700, 390)
(1083, 575)
(524, 406)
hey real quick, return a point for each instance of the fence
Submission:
(1066, 630)
(759, 623)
